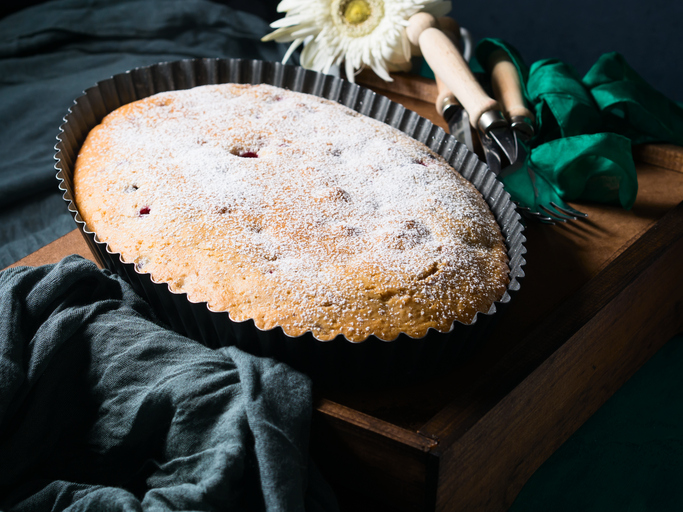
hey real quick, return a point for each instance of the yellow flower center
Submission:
(357, 11)
(357, 18)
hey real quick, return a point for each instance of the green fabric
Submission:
(103, 408)
(584, 129)
(628, 456)
(622, 95)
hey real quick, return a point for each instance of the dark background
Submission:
(628, 453)
(647, 32)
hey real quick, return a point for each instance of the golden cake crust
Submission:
(290, 210)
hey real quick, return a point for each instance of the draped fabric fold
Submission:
(585, 128)
(104, 408)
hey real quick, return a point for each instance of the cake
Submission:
(290, 210)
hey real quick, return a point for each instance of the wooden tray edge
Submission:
(539, 407)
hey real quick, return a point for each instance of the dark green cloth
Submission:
(628, 456)
(103, 408)
(51, 52)
(584, 128)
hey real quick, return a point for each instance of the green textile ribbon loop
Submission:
(562, 104)
(631, 106)
(587, 166)
(584, 129)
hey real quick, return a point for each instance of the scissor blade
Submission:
(520, 153)
(459, 124)
(505, 141)
(492, 155)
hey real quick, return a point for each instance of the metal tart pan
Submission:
(335, 363)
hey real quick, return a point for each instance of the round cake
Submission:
(290, 210)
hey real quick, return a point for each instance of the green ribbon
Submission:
(584, 129)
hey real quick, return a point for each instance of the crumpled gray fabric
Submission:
(103, 408)
(51, 52)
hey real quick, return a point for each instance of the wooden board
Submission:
(599, 298)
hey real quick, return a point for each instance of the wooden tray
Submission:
(600, 297)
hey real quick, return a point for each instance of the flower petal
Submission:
(349, 71)
(291, 49)
(327, 42)
(438, 8)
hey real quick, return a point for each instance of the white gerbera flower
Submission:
(359, 32)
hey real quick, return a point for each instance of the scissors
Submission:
(504, 125)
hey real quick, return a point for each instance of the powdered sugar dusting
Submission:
(291, 210)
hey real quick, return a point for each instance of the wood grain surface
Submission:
(599, 298)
